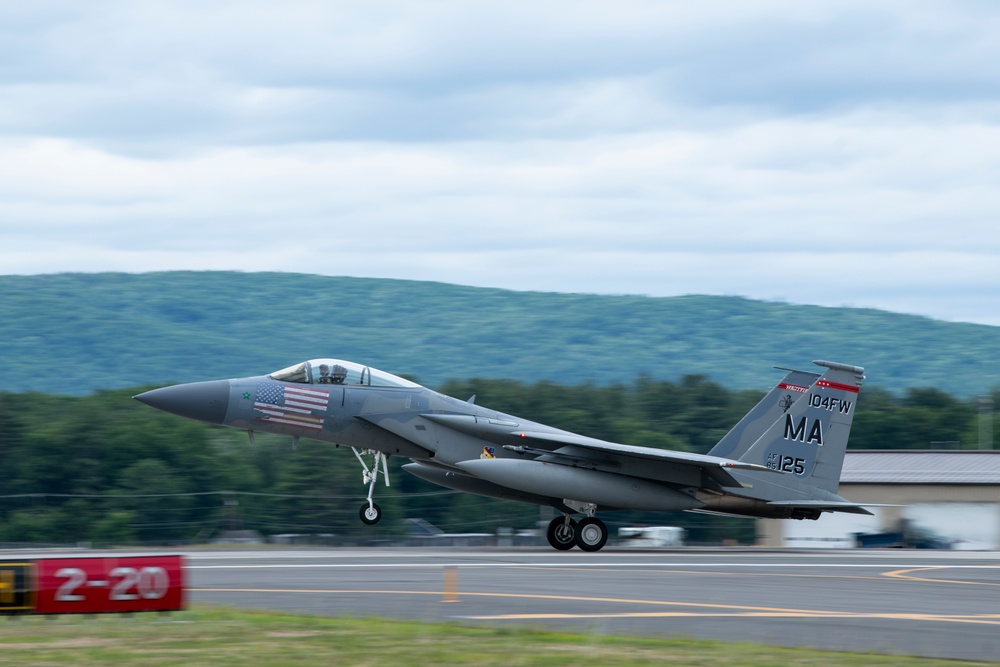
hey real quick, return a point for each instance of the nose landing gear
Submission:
(371, 513)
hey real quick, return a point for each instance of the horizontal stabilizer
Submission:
(827, 505)
(730, 515)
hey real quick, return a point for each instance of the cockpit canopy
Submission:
(338, 371)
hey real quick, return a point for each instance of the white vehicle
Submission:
(651, 536)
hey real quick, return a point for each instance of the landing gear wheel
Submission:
(370, 515)
(591, 534)
(561, 534)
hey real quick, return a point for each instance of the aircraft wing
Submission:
(715, 467)
(571, 446)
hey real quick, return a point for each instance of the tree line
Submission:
(105, 469)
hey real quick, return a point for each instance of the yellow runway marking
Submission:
(712, 573)
(679, 609)
(731, 611)
(905, 575)
(531, 596)
(981, 620)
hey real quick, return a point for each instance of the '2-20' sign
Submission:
(101, 585)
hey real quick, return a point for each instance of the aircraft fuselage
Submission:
(782, 460)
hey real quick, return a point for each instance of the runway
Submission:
(940, 604)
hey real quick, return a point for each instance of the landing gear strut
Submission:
(371, 513)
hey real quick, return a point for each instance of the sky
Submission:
(830, 153)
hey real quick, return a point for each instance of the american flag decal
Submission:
(291, 405)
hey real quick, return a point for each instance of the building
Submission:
(953, 495)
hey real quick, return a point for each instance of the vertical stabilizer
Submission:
(810, 439)
(777, 401)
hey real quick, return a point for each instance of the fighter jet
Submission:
(782, 460)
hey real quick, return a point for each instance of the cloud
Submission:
(179, 76)
(831, 153)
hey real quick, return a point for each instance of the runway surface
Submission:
(941, 604)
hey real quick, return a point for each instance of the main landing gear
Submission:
(371, 513)
(590, 534)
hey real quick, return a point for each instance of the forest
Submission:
(79, 333)
(106, 470)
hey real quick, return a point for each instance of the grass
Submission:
(222, 636)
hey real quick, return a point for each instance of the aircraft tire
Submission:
(591, 534)
(560, 535)
(370, 515)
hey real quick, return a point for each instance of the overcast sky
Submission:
(831, 153)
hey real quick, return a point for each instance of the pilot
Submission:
(339, 374)
(324, 374)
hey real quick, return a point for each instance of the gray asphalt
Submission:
(936, 604)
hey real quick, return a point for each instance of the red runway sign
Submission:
(105, 585)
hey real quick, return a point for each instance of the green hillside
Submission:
(74, 333)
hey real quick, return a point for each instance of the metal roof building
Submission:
(921, 467)
(951, 494)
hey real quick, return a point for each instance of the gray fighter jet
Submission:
(782, 460)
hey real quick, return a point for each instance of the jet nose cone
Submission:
(206, 401)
